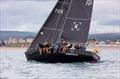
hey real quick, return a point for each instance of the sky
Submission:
(29, 15)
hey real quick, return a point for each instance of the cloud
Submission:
(110, 22)
(106, 16)
(106, 8)
(29, 15)
(20, 15)
(97, 28)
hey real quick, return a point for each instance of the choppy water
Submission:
(14, 66)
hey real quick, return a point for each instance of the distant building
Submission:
(107, 42)
(12, 41)
(101, 42)
(21, 41)
(29, 40)
(2, 43)
(117, 42)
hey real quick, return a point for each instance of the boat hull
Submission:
(85, 56)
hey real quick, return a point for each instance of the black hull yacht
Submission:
(85, 56)
(69, 21)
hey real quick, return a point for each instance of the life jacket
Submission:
(64, 49)
(45, 50)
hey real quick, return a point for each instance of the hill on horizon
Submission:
(105, 36)
(16, 34)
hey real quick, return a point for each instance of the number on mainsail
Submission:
(69, 20)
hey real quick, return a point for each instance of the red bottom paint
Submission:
(93, 61)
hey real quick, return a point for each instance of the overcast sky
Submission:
(29, 15)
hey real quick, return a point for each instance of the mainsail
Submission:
(69, 20)
(77, 23)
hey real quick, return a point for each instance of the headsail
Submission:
(69, 20)
(53, 25)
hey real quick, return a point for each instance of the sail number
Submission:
(59, 11)
(89, 2)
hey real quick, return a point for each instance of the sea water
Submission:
(13, 65)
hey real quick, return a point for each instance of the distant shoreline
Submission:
(13, 47)
(105, 45)
(90, 46)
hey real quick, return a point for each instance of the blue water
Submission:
(13, 65)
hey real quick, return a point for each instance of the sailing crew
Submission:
(45, 48)
(59, 49)
(69, 47)
(77, 47)
(82, 48)
(52, 49)
(66, 48)
(40, 48)
(63, 47)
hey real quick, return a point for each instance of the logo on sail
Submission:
(89, 2)
(76, 26)
(59, 11)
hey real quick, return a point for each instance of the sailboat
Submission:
(69, 21)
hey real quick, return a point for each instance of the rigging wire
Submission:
(94, 47)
